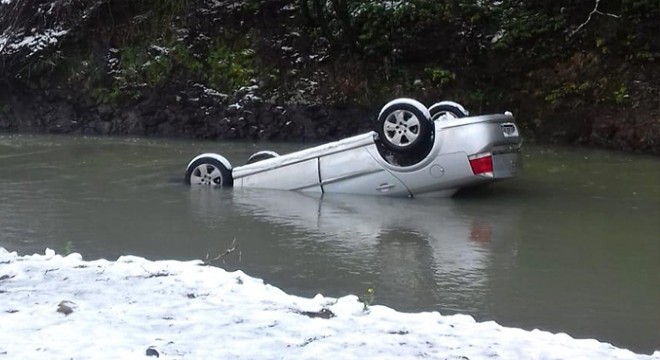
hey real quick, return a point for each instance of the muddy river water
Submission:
(571, 246)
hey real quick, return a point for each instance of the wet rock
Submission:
(102, 127)
(323, 314)
(66, 307)
(105, 111)
(152, 352)
(133, 124)
(5, 123)
(166, 129)
(265, 117)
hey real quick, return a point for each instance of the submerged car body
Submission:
(409, 154)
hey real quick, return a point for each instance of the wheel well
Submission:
(218, 157)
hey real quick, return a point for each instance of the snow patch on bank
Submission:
(54, 306)
(34, 42)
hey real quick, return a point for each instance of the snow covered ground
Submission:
(56, 307)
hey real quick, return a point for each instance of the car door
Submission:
(300, 175)
(354, 171)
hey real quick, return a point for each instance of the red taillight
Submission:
(482, 164)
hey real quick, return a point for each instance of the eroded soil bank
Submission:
(194, 113)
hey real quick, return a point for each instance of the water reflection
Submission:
(505, 253)
(433, 249)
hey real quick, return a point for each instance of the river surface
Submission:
(571, 246)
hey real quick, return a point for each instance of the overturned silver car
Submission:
(414, 151)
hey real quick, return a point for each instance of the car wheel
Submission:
(447, 109)
(209, 172)
(405, 126)
(261, 155)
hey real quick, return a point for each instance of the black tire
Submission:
(261, 155)
(437, 110)
(404, 128)
(208, 171)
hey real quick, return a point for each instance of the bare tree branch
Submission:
(230, 250)
(591, 14)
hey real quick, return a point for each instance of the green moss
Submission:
(138, 67)
(184, 59)
(170, 8)
(439, 76)
(230, 66)
(621, 96)
(601, 91)
(111, 95)
(566, 90)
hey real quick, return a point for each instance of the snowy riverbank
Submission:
(59, 307)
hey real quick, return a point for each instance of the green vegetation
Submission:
(536, 57)
(230, 67)
(601, 91)
(146, 65)
(368, 298)
(440, 77)
(373, 48)
(68, 248)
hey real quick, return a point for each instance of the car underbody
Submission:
(412, 152)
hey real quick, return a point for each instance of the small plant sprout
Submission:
(68, 247)
(368, 298)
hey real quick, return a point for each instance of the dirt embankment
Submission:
(198, 113)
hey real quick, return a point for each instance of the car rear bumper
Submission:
(507, 165)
